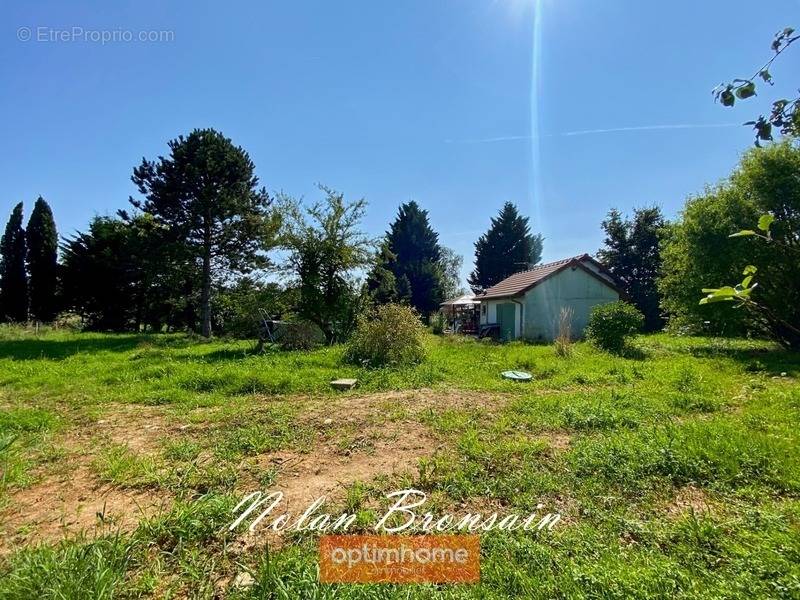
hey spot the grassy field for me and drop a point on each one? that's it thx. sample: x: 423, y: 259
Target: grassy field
x: 676, y: 470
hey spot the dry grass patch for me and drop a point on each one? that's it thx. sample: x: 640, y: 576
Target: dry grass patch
x: 689, y: 499
x: 395, y: 405
x: 558, y: 441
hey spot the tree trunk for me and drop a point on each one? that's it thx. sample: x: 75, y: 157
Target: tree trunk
x: 205, y: 294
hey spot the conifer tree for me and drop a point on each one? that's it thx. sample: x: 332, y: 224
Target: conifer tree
x: 412, y: 253
x: 381, y: 282
x: 632, y: 254
x: 506, y: 248
x: 42, y: 243
x: 205, y: 192
x: 13, y: 279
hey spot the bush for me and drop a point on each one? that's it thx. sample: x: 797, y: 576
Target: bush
x: 69, y: 321
x: 610, y: 325
x: 438, y: 323
x: 299, y: 335
x: 239, y: 309
x: 699, y: 252
x: 391, y: 335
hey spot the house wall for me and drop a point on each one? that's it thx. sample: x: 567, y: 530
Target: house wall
x: 572, y: 287
x: 490, y: 314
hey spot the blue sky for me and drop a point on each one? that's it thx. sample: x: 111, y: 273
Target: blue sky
x: 565, y: 107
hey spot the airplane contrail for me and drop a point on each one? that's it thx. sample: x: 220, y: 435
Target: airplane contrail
x: 648, y: 128
x: 511, y: 138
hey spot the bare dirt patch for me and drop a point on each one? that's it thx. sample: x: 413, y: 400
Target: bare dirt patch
x: 689, y: 499
x: 69, y: 498
x: 400, y: 404
x: 138, y: 427
x: 330, y: 467
x: 357, y: 438
x: 387, y: 450
x: 72, y: 503
x: 558, y: 441
x: 361, y: 437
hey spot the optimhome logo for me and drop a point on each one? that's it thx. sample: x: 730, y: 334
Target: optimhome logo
x: 399, y: 559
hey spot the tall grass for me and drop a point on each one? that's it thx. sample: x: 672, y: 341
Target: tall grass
x: 563, y: 341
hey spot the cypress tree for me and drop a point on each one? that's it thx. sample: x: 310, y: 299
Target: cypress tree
x: 13, y: 279
x: 417, y: 256
x: 506, y: 248
x: 42, y: 241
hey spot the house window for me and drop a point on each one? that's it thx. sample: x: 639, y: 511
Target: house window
x: 483, y: 309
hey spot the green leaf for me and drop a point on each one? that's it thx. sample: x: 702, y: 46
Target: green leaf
x: 725, y: 291
x: 743, y: 233
x: 746, y: 91
x: 727, y: 98
x: 749, y: 270
x: 746, y: 281
x: 714, y: 299
x: 765, y: 221
x: 764, y: 131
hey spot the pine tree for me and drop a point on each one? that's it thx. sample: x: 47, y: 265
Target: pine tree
x: 381, y: 282
x: 632, y: 254
x: 42, y: 241
x: 13, y: 279
x: 506, y: 248
x: 99, y: 274
x: 206, y: 194
x: 414, y: 256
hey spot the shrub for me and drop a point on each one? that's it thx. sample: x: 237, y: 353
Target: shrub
x: 438, y: 323
x: 390, y: 335
x: 69, y: 321
x: 299, y: 335
x: 610, y: 325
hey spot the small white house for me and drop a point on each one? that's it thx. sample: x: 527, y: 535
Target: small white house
x: 528, y: 304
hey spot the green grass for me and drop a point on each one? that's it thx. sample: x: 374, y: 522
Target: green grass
x: 613, y: 442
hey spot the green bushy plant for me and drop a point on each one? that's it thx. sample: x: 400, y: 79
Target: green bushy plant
x: 69, y: 321
x: 610, y: 325
x: 390, y: 335
x: 299, y: 335
x: 438, y: 323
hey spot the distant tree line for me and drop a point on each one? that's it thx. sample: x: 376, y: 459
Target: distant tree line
x: 195, y: 252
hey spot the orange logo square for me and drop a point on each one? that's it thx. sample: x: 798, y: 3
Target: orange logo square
x: 399, y: 559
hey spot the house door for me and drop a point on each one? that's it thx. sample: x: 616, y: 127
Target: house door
x: 506, y: 314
